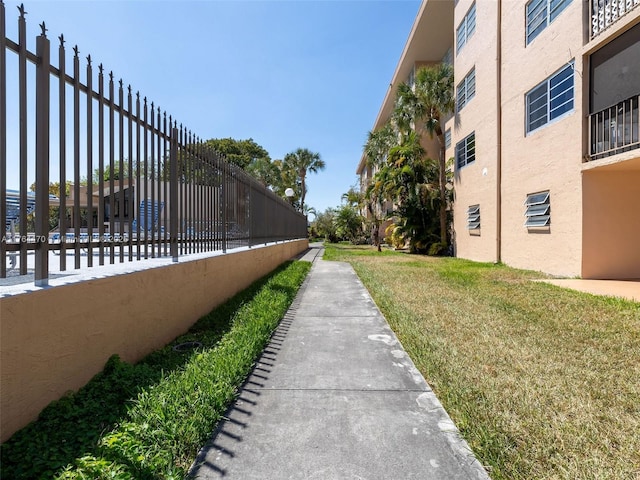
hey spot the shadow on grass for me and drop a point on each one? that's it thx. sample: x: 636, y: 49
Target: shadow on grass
x: 72, y: 427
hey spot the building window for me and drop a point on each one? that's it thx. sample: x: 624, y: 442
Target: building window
x: 551, y: 99
x: 540, y: 13
x: 466, y: 151
x: 411, y: 79
x: 448, y: 57
x: 466, y: 28
x: 447, y: 138
x: 537, y: 210
x: 473, y: 217
x: 466, y: 89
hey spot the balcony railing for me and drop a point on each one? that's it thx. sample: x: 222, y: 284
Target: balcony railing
x: 605, y: 13
x: 615, y: 129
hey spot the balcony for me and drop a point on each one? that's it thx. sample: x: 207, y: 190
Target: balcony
x: 605, y: 13
x: 615, y: 129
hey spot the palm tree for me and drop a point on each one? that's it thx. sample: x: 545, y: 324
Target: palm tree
x: 310, y: 210
x: 285, y: 177
x: 353, y: 197
x: 434, y: 91
x: 407, y: 109
x: 378, y: 145
x: 264, y: 170
x: 302, y: 161
x: 376, y: 151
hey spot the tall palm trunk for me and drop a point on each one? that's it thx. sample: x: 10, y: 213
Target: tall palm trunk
x: 442, y: 180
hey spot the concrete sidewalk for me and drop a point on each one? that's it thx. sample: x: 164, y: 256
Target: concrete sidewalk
x: 335, y: 396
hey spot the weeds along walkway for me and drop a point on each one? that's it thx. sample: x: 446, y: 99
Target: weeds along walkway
x: 335, y: 396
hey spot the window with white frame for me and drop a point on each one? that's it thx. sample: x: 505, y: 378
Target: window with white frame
x: 550, y: 99
x: 537, y: 210
x: 448, y: 57
x: 447, y: 138
x: 466, y: 28
x: 540, y: 13
x: 466, y: 150
x: 466, y: 89
x: 473, y: 217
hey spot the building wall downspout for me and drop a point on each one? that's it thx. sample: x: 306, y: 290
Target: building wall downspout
x: 499, y: 133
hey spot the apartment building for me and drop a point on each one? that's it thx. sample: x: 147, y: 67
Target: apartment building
x: 545, y: 134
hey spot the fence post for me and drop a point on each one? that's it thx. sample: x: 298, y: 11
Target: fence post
x: 225, y: 203
x: 173, y: 195
x: 249, y: 215
x: 22, y: 99
x: 3, y: 141
x: 42, y: 159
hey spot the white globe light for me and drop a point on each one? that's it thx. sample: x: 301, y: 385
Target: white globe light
x: 289, y: 192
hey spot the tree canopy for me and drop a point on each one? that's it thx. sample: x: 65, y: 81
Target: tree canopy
x: 242, y: 153
x: 296, y: 164
x: 403, y: 174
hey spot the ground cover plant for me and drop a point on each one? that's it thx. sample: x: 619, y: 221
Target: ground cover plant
x: 149, y: 420
x: 543, y: 382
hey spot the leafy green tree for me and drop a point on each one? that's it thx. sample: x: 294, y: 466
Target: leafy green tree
x: 354, y: 197
x: 324, y: 226
x: 302, y: 161
x: 376, y: 150
x: 287, y: 177
x: 107, y: 173
x: 242, y: 153
x: 54, y: 211
x: 379, y: 143
x: 416, y: 185
x: 265, y: 171
x: 54, y: 188
x: 348, y: 224
x: 410, y: 178
x: 436, y: 99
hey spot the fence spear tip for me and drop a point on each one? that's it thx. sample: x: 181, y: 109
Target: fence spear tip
x: 22, y: 11
x: 44, y: 29
x: 75, y: 49
x: 61, y: 38
x: 89, y: 59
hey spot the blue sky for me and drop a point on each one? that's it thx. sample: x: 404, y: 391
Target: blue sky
x: 288, y: 74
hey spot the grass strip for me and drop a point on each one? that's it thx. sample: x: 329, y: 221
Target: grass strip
x: 149, y: 420
x: 542, y: 381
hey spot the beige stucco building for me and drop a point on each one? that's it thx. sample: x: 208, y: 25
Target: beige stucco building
x: 545, y: 135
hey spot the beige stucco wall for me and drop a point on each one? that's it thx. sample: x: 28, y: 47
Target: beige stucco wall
x: 56, y: 339
x: 611, y: 225
x: 475, y: 184
x: 514, y: 164
x: 549, y: 158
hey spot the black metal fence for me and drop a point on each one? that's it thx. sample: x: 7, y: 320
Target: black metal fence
x: 116, y: 179
x: 615, y: 129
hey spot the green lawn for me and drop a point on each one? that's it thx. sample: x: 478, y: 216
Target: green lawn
x: 149, y: 420
x: 543, y: 382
